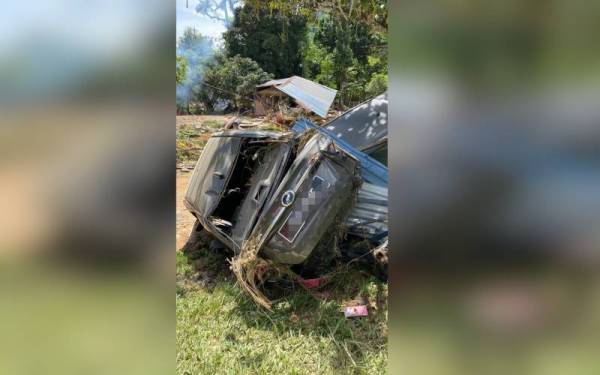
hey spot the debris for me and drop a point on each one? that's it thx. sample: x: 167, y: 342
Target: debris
x: 309, y: 283
x: 294, y: 318
x: 355, y: 311
x: 186, y: 166
x: 233, y: 123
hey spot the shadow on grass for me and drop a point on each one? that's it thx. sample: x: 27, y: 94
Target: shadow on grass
x: 300, y: 312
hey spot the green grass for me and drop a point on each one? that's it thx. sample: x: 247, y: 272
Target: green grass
x: 220, y: 330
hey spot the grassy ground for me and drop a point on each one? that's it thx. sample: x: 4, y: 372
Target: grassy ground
x: 220, y: 330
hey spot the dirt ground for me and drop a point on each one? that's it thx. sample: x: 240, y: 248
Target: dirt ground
x: 198, y: 120
x: 185, y: 220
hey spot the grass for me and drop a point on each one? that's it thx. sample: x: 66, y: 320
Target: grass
x: 189, y: 143
x: 220, y: 330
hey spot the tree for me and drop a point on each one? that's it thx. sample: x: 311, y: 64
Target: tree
x: 230, y: 82
x: 180, y: 70
x: 271, y: 38
x: 219, y: 10
x: 371, y: 12
x: 345, y: 55
x: 345, y: 46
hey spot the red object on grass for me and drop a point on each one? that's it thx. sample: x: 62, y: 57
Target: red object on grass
x: 309, y: 283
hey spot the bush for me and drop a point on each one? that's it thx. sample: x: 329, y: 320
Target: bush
x: 377, y: 85
x: 229, y: 83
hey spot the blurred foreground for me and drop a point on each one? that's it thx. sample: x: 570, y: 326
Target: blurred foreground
x: 86, y: 230
x: 495, y: 169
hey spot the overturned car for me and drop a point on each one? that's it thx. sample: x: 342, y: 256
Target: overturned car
x: 303, y: 198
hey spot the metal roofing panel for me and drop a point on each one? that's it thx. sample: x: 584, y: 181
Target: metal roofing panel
x: 309, y: 94
x: 367, y: 216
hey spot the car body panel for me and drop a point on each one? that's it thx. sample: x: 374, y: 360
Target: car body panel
x: 321, y: 182
x: 263, y: 183
x: 291, y: 197
x: 211, y: 174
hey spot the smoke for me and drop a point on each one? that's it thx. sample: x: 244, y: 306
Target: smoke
x: 197, y: 50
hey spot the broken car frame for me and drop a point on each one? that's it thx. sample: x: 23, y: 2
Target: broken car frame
x: 301, y: 199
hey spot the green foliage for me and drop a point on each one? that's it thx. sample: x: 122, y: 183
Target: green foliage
x: 342, y: 46
x: 194, y: 47
x: 180, y: 69
x: 271, y: 38
x: 347, y: 55
x: 325, y: 45
x: 230, y: 81
x: 371, y: 12
x: 377, y: 84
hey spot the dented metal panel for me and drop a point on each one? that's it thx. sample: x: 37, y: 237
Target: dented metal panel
x: 369, y: 215
x: 372, y: 171
x: 317, y: 185
x: 211, y: 174
x: 365, y: 126
x: 258, y: 134
x: 263, y: 184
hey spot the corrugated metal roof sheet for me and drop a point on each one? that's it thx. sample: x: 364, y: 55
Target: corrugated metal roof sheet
x: 369, y: 216
x: 309, y: 94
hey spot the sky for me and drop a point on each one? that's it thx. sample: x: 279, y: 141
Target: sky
x: 188, y: 17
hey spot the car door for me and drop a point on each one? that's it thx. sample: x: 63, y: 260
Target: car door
x: 318, y: 185
x: 270, y: 169
x: 211, y: 174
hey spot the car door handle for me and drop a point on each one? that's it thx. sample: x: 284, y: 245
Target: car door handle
x: 261, y: 188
